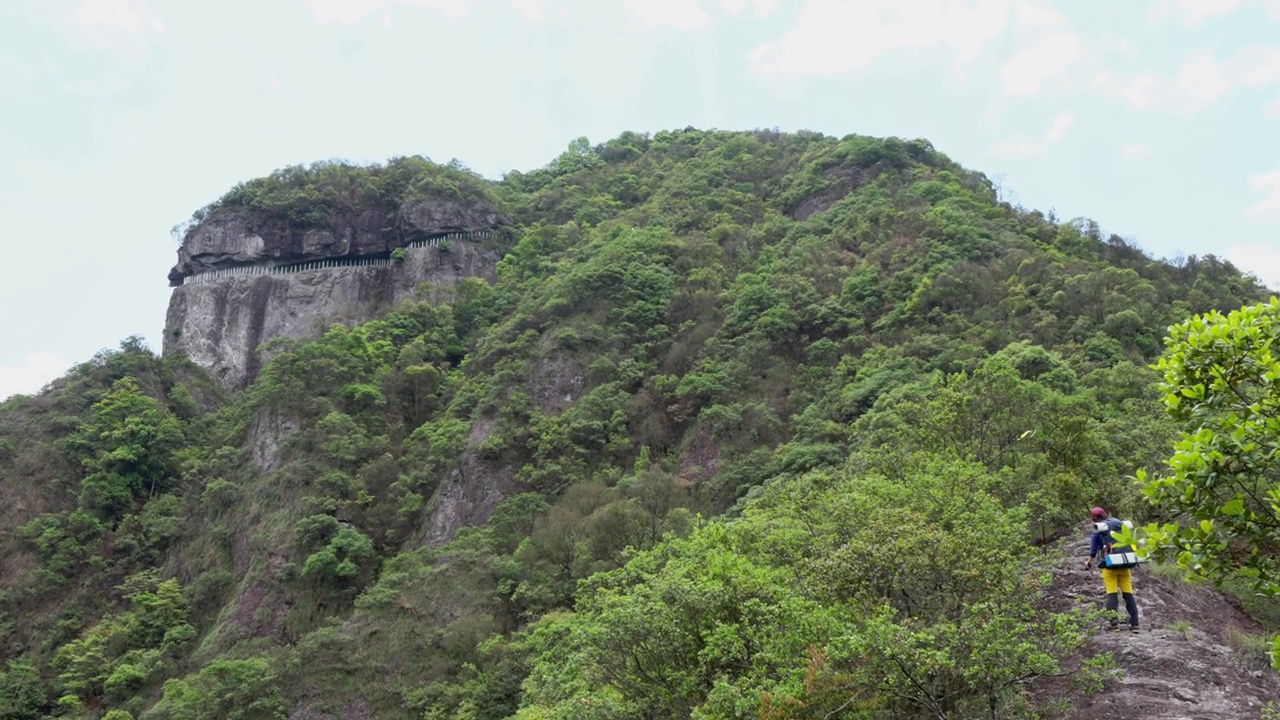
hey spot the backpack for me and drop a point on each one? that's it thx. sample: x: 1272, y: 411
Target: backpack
x: 1115, y: 557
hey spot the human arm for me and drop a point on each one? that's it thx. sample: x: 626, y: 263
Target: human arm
x: 1095, y: 546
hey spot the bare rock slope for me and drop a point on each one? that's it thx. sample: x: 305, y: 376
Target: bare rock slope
x: 1185, y: 664
x: 238, y: 237
x: 244, y: 278
x: 220, y: 324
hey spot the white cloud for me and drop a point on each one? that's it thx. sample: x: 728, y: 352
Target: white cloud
x: 1272, y: 109
x: 541, y: 9
x: 1202, y: 80
x: 123, y: 27
x: 1193, y: 13
x: 1050, y: 49
x: 833, y: 37
x: 1261, y: 259
x: 132, y: 17
x: 1135, y: 151
x: 1267, y: 183
x: 37, y: 370
x: 14, y: 75
x: 1142, y: 91
x: 532, y: 9
x: 348, y: 12
x: 646, y: 15
x: 1059, y: 127
x: 1029, y: 69
x: 1023, y: 146
x: 764, y: 8
x: 683, y: 15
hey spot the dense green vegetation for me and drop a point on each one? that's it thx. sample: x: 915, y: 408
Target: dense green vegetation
x: 329, y: 193
x: 778, y: 422
x: 1222, y: 380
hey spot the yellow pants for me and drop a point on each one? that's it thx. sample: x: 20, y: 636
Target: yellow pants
x: 1111, y: 579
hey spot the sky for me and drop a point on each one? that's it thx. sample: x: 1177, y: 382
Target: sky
x: 119, y: 118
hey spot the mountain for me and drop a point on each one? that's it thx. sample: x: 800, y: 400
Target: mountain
x: 691, y: 424
x: 285, y: 255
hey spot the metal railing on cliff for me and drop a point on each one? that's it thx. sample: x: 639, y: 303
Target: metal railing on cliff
x: 212, y: 275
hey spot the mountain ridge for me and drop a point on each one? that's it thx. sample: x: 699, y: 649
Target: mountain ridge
x: 706, y: 368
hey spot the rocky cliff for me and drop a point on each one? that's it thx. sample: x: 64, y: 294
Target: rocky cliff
x: 243, y: 278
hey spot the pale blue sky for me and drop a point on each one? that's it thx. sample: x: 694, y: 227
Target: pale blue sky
x: 118, y: 118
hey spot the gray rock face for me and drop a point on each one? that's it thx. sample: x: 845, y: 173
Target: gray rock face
x: 469, y: 493
x: 236, y: 238
x: 220, y: 324
x: 1183, y: 663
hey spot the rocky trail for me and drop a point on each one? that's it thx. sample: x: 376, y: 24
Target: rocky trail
x: 1191, y: 660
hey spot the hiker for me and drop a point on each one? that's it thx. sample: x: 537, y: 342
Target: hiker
x: 1116, y: 563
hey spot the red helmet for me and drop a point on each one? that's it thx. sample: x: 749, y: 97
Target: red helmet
x: 1098, y: 513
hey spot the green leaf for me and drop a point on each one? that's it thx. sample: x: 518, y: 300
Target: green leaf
x: 1235, y: 507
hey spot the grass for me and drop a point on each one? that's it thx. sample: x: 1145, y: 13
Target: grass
x: 1168, y: 571
x: 1058, y: 706
x: 1266, y: 610
x: 1181, y: 626
x: 1254, y: 650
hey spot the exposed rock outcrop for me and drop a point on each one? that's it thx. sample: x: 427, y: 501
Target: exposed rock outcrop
x: 220, y: 325
x: 471, y: 491
x: 555, y: 383
x: 245, y: 277
x: 237, y: 237
x: 1183, y: 664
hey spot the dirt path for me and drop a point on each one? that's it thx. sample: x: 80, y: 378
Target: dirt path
x: 1182, y: 665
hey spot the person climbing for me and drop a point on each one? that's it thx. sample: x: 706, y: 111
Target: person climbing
x: 1116, y: 563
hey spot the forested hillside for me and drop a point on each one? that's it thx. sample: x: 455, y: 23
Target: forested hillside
x: 752, y: 425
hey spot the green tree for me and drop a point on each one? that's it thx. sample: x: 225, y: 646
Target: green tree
x: 115, y: 657
x: 1222, y: 379
x: 21, y: 695
x: 128, y: 448
x: 348, y: 559
x: 916, y: 593
x: 223, y: 690
x: 579, y: 155
x: 1222, y: 495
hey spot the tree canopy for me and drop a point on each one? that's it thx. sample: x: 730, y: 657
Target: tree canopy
x: 1222, y: 492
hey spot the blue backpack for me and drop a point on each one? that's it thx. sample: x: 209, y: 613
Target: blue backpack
x: 1115, y: 557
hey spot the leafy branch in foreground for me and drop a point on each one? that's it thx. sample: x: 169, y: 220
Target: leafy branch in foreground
x: 1222, y: 379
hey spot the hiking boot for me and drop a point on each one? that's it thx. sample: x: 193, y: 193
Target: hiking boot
x: 1113, y: 627
x: 1133, y: 629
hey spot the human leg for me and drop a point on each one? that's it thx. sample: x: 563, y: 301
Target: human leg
x: 1124, y: 583
x: 1110, y: 581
